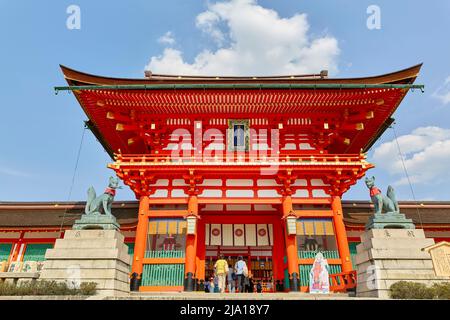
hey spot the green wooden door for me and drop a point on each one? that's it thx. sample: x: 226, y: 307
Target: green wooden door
x: 352, y: 248
x: 5, y: 250
x: 36, y: 251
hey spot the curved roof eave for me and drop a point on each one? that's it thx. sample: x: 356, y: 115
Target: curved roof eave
x: 405, y: 76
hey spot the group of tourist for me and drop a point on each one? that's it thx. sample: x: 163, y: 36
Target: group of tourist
x: 235, y: 278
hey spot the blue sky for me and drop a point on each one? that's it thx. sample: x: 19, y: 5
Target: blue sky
x: 40, y: 132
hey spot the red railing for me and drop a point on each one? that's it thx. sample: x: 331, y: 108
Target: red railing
x: 343, y: 282
x: 317, y: 158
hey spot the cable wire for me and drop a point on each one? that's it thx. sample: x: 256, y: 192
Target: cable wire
x: 406, y: 173
x: 73, y: 176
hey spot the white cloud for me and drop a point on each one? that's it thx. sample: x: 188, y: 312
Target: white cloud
x: 167, y: 38
x: 426, y: 151
x: 252, y: 40
x: 443, y: 92
x: 207, y: 21
x: 12, y: 172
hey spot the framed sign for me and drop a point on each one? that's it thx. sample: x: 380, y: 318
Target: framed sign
x: 238, y: 135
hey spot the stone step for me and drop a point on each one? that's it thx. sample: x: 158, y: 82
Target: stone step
x: 84, y: 274
x: 391, y: 254
x: 386, y: 284
x: 94, y: 234
x: 87, y: 264
x: 233, y: 296
x: 86, y: 254
x: 87, y: 243
x: 403, y: 264
x: 407, y: 275
x: 412, y: 243
x: 392, y: 234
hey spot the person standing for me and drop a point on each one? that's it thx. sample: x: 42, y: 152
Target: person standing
x: 241, y: 272
x: 259, y: 287
x: 231, y: 277
x: 249, y: 284
x: 211, y: 285
x: 221, y: 267
x: 216, y: 284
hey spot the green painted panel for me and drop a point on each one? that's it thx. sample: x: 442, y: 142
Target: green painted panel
x: 5, y: 250
x: 36, y: 251
x: 163, y: 275
x: 130, y: 248
x: 332, y: 254
x: 165, y: 254
x: 286, y: 279
x: 304, y: 274
x: 241, y: 86
x: 352, y: 248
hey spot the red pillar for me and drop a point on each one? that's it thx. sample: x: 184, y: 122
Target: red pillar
x: 278, y: 250
x: 341, y: 234
x: 14, y: 256
x: 140, y: 241
x: 201, y: 250
x: 291, y: 248
x: 191, y: 249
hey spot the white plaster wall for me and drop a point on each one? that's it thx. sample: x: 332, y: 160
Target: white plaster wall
x: 178, y: 193
x: 211, y: 182
x: 267, y: 182
x: 240, y: 193
x: 178, y: 183
x: 319, y: 193
x: 269, y: 193
x: 300, y: 182
x: 211, y: 193
x: 239, y: 182
x: 318, y: 182
x: 160, y: 183
x: 160, y: 193
x: 305, y: 146
x: 301, y: 193
x: 289, y: 146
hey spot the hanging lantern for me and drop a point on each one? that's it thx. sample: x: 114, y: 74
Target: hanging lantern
x: 191, y: 223
x: 291, y: 224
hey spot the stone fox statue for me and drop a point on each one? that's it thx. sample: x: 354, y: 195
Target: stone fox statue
x: 382, y: 203
x: 102, y: 203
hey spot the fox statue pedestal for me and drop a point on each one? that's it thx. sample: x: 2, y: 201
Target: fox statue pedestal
x: 96, y: 221
x: 99, y: 256
x: 389, y: 220
x: 386, y: 256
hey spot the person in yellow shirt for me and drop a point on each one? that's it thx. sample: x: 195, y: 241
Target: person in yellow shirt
x: 221, y: 268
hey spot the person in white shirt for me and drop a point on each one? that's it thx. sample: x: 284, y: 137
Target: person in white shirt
x: 241, y: 272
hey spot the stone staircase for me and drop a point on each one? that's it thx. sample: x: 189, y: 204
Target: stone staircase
x: 230, y: 296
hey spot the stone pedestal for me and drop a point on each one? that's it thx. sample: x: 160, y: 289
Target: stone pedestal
x: 389, y: 220
x: 99, y: 256
x: 96, y: 221
x: 386, y: 256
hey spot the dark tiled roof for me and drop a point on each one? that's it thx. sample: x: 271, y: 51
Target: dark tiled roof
x: 51, y: 214
x: 425, y: 212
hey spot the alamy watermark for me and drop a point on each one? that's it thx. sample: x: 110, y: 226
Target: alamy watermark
x: 374, y: 19
x: 73, y: 21
x: 212, y: 145
x: 73, y: 273
x: 373, y: 277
